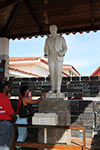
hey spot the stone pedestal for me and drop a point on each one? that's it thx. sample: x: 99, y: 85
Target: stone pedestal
x: 62, y: 109
x: 55, y: 95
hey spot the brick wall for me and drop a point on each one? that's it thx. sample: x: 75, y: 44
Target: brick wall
x: 83, y: 112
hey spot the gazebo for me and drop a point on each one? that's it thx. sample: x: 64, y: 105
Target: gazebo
x: 28, y: 18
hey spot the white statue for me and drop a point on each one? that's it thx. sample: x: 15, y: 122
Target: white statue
x: 55, y: 49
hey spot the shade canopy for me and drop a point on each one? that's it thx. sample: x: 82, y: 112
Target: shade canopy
x: 27, y: 18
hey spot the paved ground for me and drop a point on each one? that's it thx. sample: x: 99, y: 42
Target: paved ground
x: 78, y: 142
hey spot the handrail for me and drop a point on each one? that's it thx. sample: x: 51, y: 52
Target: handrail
x: 53, y: 146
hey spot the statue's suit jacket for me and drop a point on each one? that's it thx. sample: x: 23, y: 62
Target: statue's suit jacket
x: 51, y: 48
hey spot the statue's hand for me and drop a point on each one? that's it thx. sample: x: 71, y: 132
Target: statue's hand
x: 46, y: 56
x: 60, y: 53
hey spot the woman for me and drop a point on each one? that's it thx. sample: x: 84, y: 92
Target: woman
x: 22, y: 132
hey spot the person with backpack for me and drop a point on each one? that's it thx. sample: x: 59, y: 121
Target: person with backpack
x: 24, y: 100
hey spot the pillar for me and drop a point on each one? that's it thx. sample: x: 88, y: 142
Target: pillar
x: 4, y: 57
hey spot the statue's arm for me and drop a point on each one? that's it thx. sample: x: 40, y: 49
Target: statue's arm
x: 64, y: 46
x: 46, y: 49
x: 62, y: 52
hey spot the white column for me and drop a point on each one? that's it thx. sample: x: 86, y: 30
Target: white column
x: 45, y: 137
x: 4, y: 54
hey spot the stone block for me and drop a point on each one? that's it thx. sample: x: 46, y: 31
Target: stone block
x: 97, y: 119
x: 55, y: 136
x: 45, y: 119
x: 97, y: 106
x: 62, y: 108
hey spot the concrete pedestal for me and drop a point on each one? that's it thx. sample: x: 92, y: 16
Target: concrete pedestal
x: 62, y: 109
x: 55, y: 95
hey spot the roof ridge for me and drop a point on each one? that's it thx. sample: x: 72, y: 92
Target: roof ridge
x: 23, y: 58
x: 95, y: 71
x: 15, y: 69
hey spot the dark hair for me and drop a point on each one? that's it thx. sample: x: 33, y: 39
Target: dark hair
x: 2, y: 85
x: 23, y: 89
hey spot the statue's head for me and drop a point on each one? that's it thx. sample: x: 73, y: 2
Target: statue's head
x: 53, y: 29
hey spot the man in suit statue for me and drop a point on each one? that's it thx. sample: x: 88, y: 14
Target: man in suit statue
x: 55, y: 49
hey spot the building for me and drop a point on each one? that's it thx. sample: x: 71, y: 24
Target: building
x: 35, y: 67
x: 96, y: 72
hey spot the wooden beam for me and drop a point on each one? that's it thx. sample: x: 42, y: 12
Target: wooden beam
x: 12, y: 17
x: 8, y: 3
x: 33, y: 16
x: 92, y: 12
x: 50, y: 127
x: 48, y: 146
x: 71, y: 30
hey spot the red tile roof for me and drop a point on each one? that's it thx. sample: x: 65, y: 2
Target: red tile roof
x: 96, y: 72
x: 64, y: 65
x: 65, y: 74
x: 44, y: 61
x: 23, y: 58
x: 29, y: 73
x: 36, y: 58
x: 76, y: 70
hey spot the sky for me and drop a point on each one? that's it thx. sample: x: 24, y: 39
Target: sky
x: 83, y: 50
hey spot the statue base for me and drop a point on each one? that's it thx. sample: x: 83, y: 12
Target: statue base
x: 55, y: 95
x: 61, y: 107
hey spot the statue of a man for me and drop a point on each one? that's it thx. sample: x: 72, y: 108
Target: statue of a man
x: 55, y: 49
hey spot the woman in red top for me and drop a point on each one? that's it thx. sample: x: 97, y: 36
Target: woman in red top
x: 22, y: 132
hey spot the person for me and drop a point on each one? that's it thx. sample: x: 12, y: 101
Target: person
x: 8, y: 94
x: 25, y: 93
x: 7, y: 117
x: 55, y: 49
